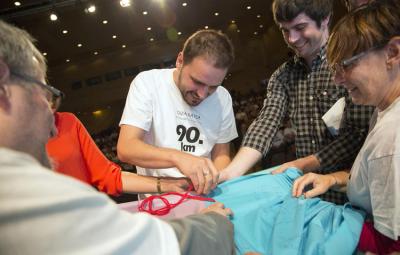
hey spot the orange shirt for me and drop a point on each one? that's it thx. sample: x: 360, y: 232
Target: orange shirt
x: 75, y: 154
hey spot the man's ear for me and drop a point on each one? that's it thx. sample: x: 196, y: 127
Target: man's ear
x: 4, y: 89
x: 4, y: 72
x: 393, y: 51
x: 179, y: 60
x: 325, y: 22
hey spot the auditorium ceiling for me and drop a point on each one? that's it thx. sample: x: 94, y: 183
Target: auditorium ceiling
x: 86, y: 28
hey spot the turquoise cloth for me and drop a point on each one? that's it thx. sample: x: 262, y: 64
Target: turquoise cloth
x: 268, y: 220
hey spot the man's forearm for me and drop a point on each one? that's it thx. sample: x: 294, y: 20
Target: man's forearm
x: 144, y: 155
x: 242, y: 162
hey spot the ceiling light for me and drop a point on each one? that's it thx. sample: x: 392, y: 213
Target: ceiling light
x: 151, y: 39
x: 260, y: 26
x: 238, y: 30
x: 125, y: 3
x: 65, y: 31
x: 95, y: 53
x: 258, y: 16
x: 114, y: 36
x: 256, y: 33
x: 179, y: 33
x: 123, y: 46
x: 67, y: 60
x: 17, y: 3
x: 216, y: 14
x: 105, y: 21
x: 91, y: 8
x: 233, y: 22
x: 206, y: 27
x: 149, y: 28
x: 248, y: 7
x: 44, y: 53
x: 144, y: 12
x: 79, y: 45
x: 184, y: 4
x: 53, y: 17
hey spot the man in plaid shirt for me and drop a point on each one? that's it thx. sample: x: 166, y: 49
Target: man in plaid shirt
x: 303, y: 89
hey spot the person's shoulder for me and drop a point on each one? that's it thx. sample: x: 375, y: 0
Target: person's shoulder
x: 153, y: 73
x: 284, y: 69
x: 223, y: 93
x: 66, y: 116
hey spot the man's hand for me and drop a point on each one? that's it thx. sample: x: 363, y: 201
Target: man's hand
x: 218, y: 208
x: 306, y: 164
x: 321, y: 184
x: 201, y: 172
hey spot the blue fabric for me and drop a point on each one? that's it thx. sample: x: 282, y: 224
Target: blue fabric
x: 268, y: 220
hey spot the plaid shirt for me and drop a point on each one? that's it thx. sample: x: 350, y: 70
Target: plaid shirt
x: 305, y: 96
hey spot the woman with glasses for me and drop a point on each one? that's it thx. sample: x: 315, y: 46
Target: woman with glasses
x: 75, y: 154
x: 364, y: 52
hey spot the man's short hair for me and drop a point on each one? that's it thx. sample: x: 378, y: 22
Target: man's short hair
x: 287, y: 10
x: 18, y: 51
x: 211, y: 44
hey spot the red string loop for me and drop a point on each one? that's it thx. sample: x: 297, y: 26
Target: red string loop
x: 147, y: 204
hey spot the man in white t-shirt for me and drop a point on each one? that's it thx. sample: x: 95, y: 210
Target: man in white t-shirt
x: 43, y: 212
x: 179, y: 122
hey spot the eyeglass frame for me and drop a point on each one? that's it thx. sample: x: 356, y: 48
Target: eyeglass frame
x: 342, y: 65
x: 55, y: 92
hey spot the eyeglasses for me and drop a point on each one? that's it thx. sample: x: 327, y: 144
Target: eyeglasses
x: 54, y: 92
x: 345, y: 64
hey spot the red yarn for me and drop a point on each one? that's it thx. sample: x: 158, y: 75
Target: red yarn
x: 147, y: 204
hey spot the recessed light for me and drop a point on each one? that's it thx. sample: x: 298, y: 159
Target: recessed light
x: 114, y: 36
x: 184, y: 4
x: 125, y: 3
x: 205, y: 27
x: 95, y: 53
x: 256, y: 33
x: 91, y: 8
x: 258, y: 16
x: 238, y: 30
x: 53, y: 17
x: 145, y: 12
x: 179, y: 33
x: 44, y: 53
x: 65, y: 31
x: 248, y: 7
x: 233, y: 22
x: 216, y: 14
x: 17, y: 3
x: 149, y: 28
x: 79, y: 45
x: 105, y: 21
x: 67, y: 60
x: 260, y: 26
x: 151, y: 39
x: 123, y: 46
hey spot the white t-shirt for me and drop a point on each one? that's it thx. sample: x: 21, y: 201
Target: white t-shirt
x: 375, y: 177
x: 42, y: 212
x: 155, y: 104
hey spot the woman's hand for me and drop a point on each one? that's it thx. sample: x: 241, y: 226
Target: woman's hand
x: 170, y: 184
x: 321, y: 184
